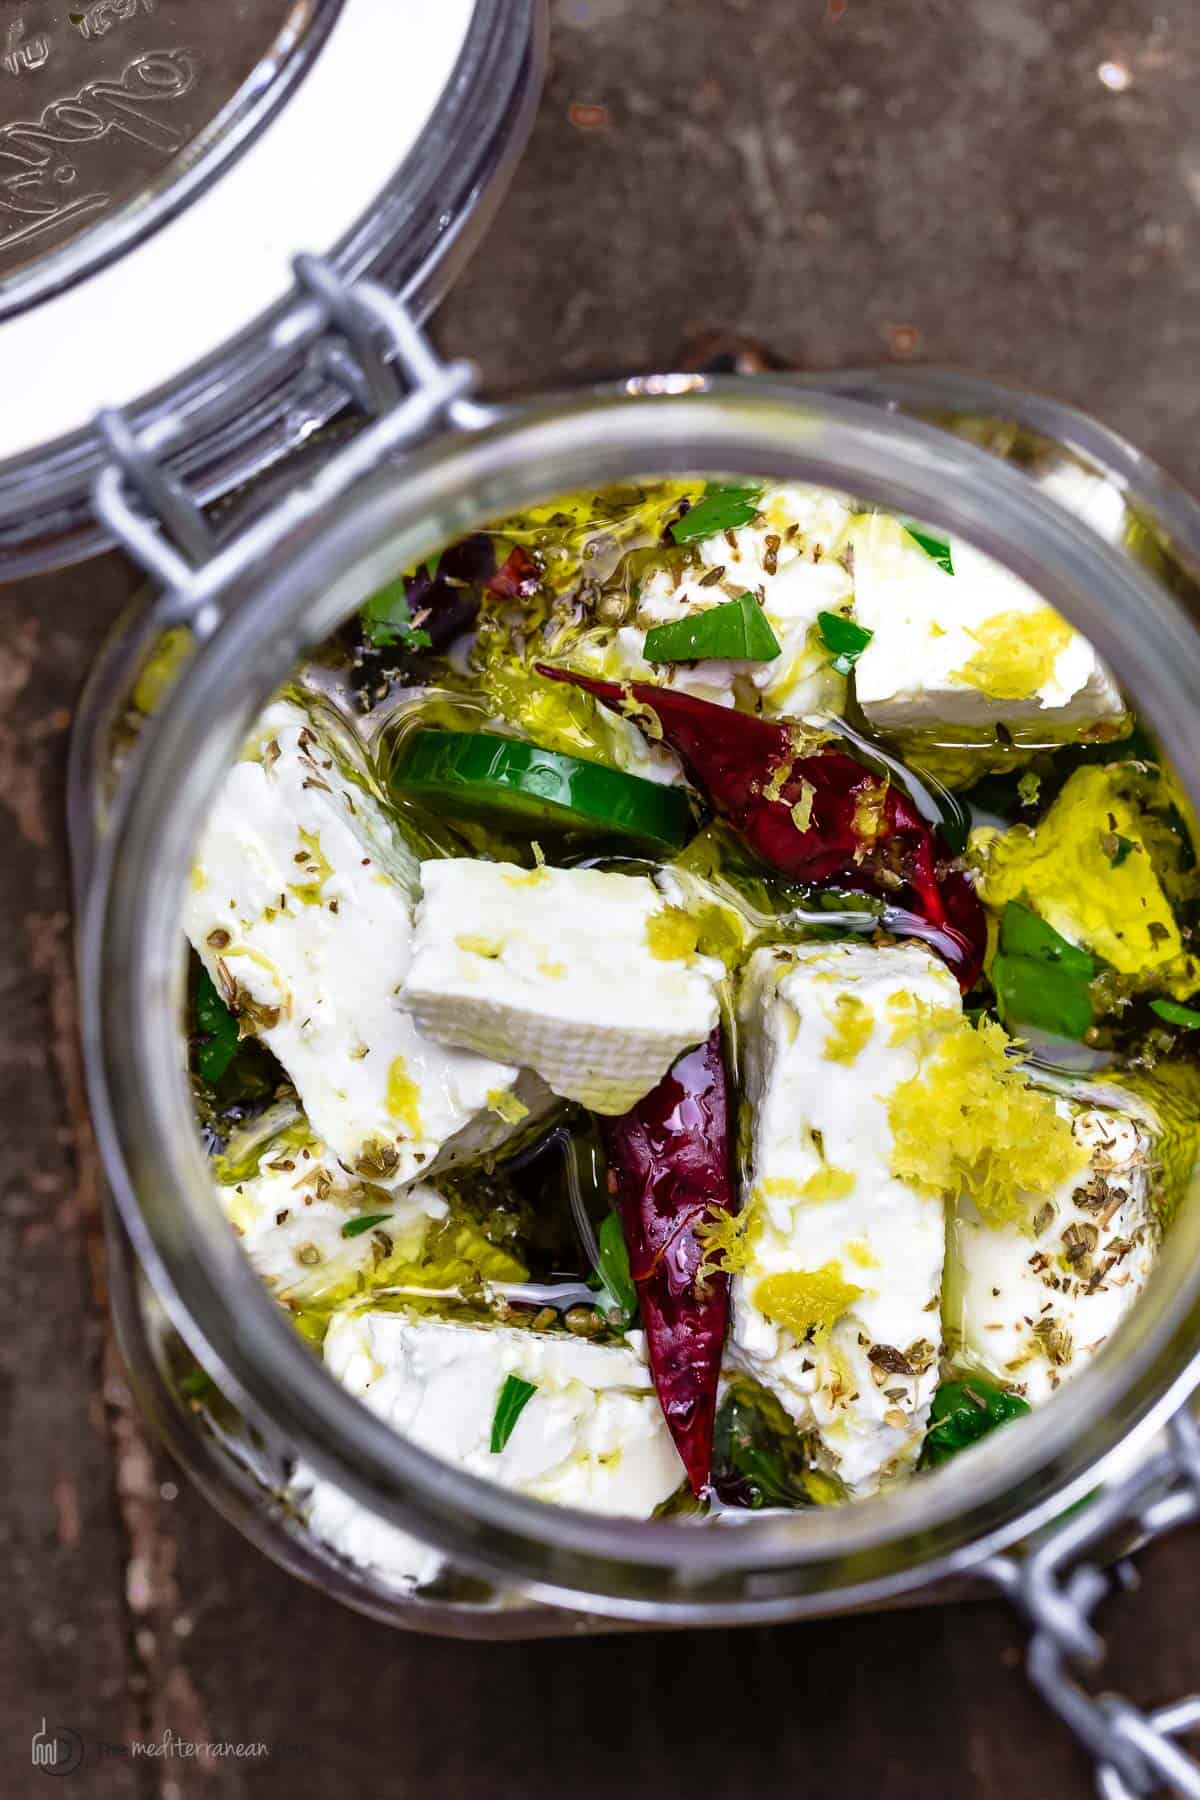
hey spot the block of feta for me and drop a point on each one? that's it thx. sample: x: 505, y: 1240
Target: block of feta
x: 300, y: 906
x: 591, y: 1435
x: 290, y: 1208
x: 1031, y: 1308
x: 788, y: 558
x: 588, y: 978
x: 969, y: 650
x: 1092, y: 497
x: 836, y: 1296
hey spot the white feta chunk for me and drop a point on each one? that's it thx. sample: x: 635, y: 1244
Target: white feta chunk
x: 587, y: 978
x: 1031, y: 1308
x: 592, y: 1434
x: 1092, y: 497
x: 970, y: 650
x: 300, y: 907
x: 788, y: 559
x: 291, y: 1210
x: 346, y: 1526
x: 824, y: 1048
x: 800, y: 682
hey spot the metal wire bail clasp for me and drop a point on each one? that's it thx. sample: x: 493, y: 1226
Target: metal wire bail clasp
x: 360, y: 336
x: 1058, y: 1589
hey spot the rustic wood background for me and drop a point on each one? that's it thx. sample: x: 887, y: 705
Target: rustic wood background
x: 1010, y: 186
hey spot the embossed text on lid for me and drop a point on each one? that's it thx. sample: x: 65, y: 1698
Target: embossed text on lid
x: 113, y: 113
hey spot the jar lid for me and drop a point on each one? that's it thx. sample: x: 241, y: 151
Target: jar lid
x: 161, y: 165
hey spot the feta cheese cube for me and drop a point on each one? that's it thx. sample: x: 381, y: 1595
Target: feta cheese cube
x: 788, y: 558
x: 290, y: 1210
x: 799, y: 682
x: 1092, y: 497
x: 347, y: 1527
x: 587, y: 978
x: 825, y: 1046
x: 969, y: 650
x: 300, y: 907
x: 1032, y: 1308
x: 592, y: 1435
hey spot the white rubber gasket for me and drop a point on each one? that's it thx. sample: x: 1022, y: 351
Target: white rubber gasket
x: 313, y: 171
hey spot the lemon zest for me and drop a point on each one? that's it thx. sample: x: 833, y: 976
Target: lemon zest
x: 671, y: 934
x: 477, y: 943
x: 403, y: 1097
x: 828, y: 1183
x: 809, y: 1302
x: 852, y: 1024
x: 969, y: 1122
x: 727, y: 1239
x: 918, y: 1021
x: 779, y: 1187
x: 504, y: 1103
x: 778, y: 779
x: 803, y: 809
x: 1064, y: 869
x: 1017, y: 653
x: 869, y: 805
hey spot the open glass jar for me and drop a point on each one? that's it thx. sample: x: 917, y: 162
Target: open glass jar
x: 141, y: 145
x: 432, y: 467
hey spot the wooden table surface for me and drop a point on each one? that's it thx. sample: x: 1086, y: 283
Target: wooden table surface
x: 1010, y: 185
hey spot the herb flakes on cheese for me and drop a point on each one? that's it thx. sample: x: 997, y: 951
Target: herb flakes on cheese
x: 302, y: 1218
x: 319, y: 1237
x: 304, y: 922
x: 836, y: 1259
x: 782, y: 555
x: 1032, y: 1303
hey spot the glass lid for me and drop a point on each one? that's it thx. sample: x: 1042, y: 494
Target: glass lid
x: 115, y: 115
x: 162, y: 165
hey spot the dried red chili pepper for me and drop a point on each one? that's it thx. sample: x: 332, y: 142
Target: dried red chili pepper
x: 816, y: 818
x: 518, y: 574
x: 669, y: 1164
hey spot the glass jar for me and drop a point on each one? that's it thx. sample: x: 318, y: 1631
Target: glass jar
x: 1078, y: 514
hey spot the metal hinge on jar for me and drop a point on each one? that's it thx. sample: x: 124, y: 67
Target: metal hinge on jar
x: 366, y: 340
x: 1058, y: 1587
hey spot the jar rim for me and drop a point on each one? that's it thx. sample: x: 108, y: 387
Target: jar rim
x: 133, y: 994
